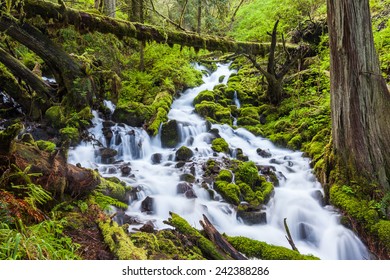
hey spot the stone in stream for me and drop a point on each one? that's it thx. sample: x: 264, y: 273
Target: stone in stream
x: 252, y: 217
x: 186, y: 189
x: 184, y: 154
x: 147, y: 205
x: 189, y: 178
x: 170, y: 135
x: 156, y: 158
x: 107, y: 155
x: 125, y: 170
x: 263, y: 153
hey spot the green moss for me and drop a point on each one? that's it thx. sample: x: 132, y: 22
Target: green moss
x: 161, y: 117
x: 119, y: 242
x: 261, y: 250
x: 55, y: 116
x: 70, y: 133
x: 205, y: 95
x: 225, y: 175
x: 229, y: 191
x: 247, y: 172
x: 46, y: 145
x: 184, y: 153
x: 295, y: 143
x: 112, y: 187
x: 206, y: 246
x: 382, y: 230
x: 219, y: 145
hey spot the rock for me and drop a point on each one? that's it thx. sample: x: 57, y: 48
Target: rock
x: 266, y: 169
x: 184, y: 154
x: 107, y: 155
x: 263, y: 153
x: 108, y: 124
x: 148, y: 227
x: 170, y: 136
x: 317, y: 195
x: 156, y: 158
x: 107, y: 133
x: 215, y: 133
x: 275, y: 161
x: 27, y: 138
x: 252, y: 217
x: 193, y: 170
x: 180, y: 164
x: 263, y: 119
x: 187, y: 178
x: 240, y: 155
x: 125, y: 170
x: 186, y: 189
x: 147, y: 205
x: 111, y: 170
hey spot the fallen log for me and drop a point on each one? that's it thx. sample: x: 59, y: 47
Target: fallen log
x: 88, y: 22
x: 219, y: 240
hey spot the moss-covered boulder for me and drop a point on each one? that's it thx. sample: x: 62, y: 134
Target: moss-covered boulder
x: 220, y: 145
x: 229, y: 191
x: 170, y: 136
x: 206, y: 95
x: 8, y: 136
x: 184, y: 154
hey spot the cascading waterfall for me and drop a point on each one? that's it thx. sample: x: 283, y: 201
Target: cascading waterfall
x: 315, y: 229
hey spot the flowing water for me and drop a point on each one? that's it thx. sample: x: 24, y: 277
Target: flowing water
x: 315, y: 229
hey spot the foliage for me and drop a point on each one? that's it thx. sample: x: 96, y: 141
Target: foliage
x: 43, y: 241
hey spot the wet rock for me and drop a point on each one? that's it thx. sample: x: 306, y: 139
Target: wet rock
x: 266, y: 169
x: 147, y: 205
x: 186, y: 189
x: 240, y: 155
x: 107, y: 155
x: 107, y: 133
x: 276, y: 161
x: 125, y: 170
x: 184, y: 154
x: 170, y: 136
x: 148, y: 227
x: 156, y: 158
x: 252, y: 217
x: 193, y: 170
x: 263, y: 153
x: 317, y: 195
x: 187, y: 178
x: 108, y: 124
x: 180, y: 164
x: 111, y: 170
x: 215, y: 133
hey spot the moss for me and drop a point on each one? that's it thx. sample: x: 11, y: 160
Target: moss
x: 229, y: 191
x: 206, y: 95
x: 261, y: 250
x: 184, y: 153
x: 55, y: 116
x: 170, y: 134
x: 70, y: 134
x: 295, y: 143
x: 7, y: 137
x: 247, y: 172
x: 27, y: 138
x: 382, y: 230
x: 114, y: 189
x: 219, y: 145
x: 225, y: 175
x: 119, y: 242
x: 160, y: 117
x: 46, y: 145
x: 206, y: 246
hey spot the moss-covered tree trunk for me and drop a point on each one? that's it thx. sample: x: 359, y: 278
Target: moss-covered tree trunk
x: 66, y: 70
x: 110, y: 8
x: 360, y: 99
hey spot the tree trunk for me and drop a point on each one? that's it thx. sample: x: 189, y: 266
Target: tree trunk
x: 198, y: 27
x: 66, y: 71
x: 360, y: 100
x: 110, y: 8
x: 88, y: 22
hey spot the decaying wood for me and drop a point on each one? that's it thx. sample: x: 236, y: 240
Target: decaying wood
x: 219, y: 240
x: 289, y: 237
x: 89, y: 22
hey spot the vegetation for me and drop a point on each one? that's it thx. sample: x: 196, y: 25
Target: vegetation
x: 142, y: 72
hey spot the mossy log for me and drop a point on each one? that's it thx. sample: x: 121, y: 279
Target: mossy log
x: 64, y: 68
x: 87, y: 22
x: 42, y: 90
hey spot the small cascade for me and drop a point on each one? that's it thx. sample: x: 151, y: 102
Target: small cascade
x: 163, y: 184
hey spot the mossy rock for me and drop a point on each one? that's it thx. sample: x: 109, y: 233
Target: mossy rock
x: 170, y: 136
x: 220, y: 145
x: 70, y: 134
x: 189, y: 178
x: 206, y: 95
x: 134, y: 114
x: 225, y: 175
x: 114, y: 188
x: 229, y: 191
x: 247, y: 172
x: 55, y: 116
x: 184, y: 154
x: 295, y: 143
x: 8, y: 136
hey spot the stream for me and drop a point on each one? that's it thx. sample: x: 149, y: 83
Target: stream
x: 315, y: 228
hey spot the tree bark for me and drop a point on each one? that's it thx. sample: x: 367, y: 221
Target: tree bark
x: 65, y: 70
x: 199, y: 17
x: 110, y: 8
x: 42, y: 90
x: 360, y: 100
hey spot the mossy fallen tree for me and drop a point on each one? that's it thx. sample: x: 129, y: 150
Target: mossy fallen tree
x: 88, y: 22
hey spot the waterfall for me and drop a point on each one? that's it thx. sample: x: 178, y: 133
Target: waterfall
x: 155, y: 174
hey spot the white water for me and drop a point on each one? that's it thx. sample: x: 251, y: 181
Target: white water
x: 315, y: 229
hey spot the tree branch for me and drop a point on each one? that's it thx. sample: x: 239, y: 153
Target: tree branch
x: 178, y: 26
x: 289, y: 237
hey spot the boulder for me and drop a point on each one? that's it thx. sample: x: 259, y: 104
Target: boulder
x: 170, y: 136
x: 125, y: 170
x: 263, y: 153
x: 187, y: 178
x: 184, y: 154
x: 147, y: 205
x: 186, y: 189
x: 156, y: 158
x: 252, y: 217
x: 107, y: 155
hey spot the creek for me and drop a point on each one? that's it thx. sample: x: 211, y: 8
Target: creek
x: 155, y: 174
